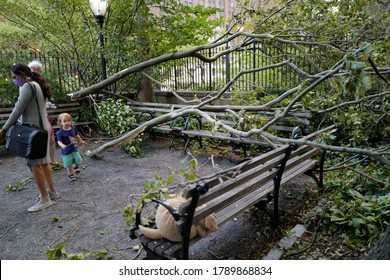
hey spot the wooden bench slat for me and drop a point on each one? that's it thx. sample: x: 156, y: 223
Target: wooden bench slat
x: 59, y: 111
x: 5, y: 114
x: 166, y: 246
x: 232, y: 195
x: 174, y: 251
x: 243, y: 203
x: 151, y: 110
x: 152, y: 244
x: 6, y: 110
x: 223, y: 136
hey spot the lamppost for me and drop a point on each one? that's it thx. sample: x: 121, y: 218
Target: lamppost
x: 99, y: 9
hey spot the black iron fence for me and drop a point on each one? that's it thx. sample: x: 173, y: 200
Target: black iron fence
x: 58, y: 70
x: 187, y: 74
x: 192, y: 74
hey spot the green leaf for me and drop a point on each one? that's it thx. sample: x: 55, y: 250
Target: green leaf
x: 357, y: 222
x: 56, y: 253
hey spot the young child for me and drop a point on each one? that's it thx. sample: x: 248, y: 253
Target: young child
x: 67, y: 138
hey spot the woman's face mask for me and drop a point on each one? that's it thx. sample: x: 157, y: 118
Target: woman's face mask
x: 19, y: 82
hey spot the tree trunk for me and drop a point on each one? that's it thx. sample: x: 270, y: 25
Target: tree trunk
x: 146, y: 92
x: 381, y: 250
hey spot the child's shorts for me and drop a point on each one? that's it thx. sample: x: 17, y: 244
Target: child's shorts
x: 73, y: 158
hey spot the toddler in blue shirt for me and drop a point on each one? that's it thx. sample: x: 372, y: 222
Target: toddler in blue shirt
x: 67, y: 138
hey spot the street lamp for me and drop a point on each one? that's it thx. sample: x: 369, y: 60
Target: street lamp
x: 99, y: 9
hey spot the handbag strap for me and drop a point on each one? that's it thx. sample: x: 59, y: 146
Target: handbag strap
x: 36, y: 100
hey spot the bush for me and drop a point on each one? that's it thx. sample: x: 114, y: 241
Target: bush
x: 116, y: 118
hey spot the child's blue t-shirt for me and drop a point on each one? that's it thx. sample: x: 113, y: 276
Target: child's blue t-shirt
x: 68, y: 138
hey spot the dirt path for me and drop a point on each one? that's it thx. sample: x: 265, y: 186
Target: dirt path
x: 88, y: 215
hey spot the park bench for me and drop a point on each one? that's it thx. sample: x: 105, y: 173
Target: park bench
x: 194, y: 127
x: 74, y: 109
x: 284, y: 127
x: 145, y: 111
x: 253, y: 182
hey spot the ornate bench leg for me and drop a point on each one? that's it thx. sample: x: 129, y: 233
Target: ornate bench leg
x: 320, y: 166
x: 187, y: 141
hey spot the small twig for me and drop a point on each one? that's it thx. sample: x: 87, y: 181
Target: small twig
x: 138, y: 253
x: 218, y: 257
x: 8, y: 229
x: 55, y: 240
x: 366, y: 176
x: 306, y: 248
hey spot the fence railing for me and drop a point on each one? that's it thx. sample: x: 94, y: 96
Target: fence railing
x: 187, y: 74
x: 57, y: 70
x: 193, y: 74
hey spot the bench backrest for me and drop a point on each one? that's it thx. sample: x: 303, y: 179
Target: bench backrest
x: 286, y: 123
x: 4, y: 115
x: 73, y: 109
x: 226, y: 187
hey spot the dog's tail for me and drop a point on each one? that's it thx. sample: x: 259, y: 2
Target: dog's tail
x: 151, y: 233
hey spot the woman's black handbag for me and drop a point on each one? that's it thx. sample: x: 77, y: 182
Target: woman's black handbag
x: 26, y: 140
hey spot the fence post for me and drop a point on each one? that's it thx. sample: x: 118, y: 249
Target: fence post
x: 227, y: 64
x: 254, y: 66
x: 210, y: 74
x: 175, y: 71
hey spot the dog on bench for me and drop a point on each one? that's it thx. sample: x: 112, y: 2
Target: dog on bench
x: 165, y: 223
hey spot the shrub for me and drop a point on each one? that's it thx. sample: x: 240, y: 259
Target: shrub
x: 116, y: 118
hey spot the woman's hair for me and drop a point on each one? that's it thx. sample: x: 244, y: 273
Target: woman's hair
x: 62, y: 116
x: 24, y: 69
x: 35, y: 64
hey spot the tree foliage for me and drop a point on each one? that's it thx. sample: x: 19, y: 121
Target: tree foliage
x: 69, y: 28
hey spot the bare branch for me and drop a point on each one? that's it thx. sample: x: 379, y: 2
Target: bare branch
x: 345, y: 104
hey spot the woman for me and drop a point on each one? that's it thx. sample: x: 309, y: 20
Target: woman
x: 26, y: 108
x: 36, y: 67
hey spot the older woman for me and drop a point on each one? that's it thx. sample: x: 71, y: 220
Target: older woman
x: 33, y: 86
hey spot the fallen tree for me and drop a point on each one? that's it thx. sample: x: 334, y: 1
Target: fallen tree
x: 294, y: 95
